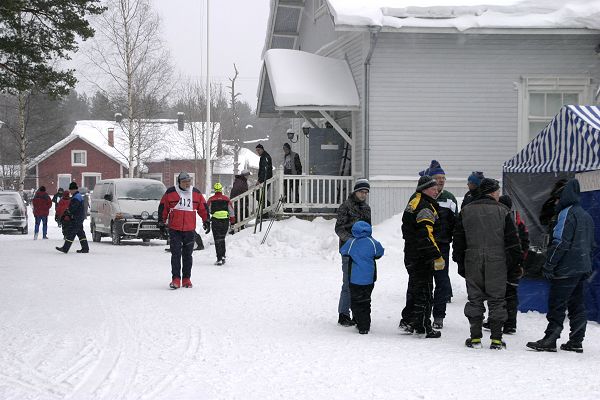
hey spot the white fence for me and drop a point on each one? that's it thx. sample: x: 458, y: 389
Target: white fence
x: 300, y: 194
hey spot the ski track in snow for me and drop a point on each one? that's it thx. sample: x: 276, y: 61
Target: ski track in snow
x: 105, y: 326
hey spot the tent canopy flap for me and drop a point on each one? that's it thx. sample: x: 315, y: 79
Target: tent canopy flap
x: 294, y: 81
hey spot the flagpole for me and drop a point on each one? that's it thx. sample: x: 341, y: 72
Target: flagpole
x: 208, y: 136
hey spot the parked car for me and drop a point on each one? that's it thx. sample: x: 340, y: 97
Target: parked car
x: 13, y: 212
x: 126, y: 208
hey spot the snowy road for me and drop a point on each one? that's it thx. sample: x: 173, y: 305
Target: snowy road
x: 105, y: 326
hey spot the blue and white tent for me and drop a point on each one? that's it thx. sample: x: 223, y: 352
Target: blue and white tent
x: 570, y: 143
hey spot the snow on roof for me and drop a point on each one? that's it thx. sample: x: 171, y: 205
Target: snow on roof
x: 304, y: 79
x: 467, y: 14
x: 169, y: 143
x: 247, y: 159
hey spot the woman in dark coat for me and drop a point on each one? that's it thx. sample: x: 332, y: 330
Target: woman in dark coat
x: 240, y: 185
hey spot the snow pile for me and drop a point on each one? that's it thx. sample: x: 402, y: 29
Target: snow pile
x: 263, y: 326
x: 299, y: 78
x: 467, y: 14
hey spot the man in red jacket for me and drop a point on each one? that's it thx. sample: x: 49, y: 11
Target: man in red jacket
x: 41, y: 206
x: 178, y: 207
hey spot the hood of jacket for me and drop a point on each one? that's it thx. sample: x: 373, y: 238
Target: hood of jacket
x: 569, y: 195
x: 361, y: 229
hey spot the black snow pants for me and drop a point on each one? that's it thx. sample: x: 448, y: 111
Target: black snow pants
x: 421, y: 289
x: 182, y: 246
x: 360, y: 303
x: 76, y: 229
x: 220, y: 227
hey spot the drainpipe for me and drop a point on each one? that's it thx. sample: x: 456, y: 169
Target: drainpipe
x: 374, y: 33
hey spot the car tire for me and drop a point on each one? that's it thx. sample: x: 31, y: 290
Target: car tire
x: 116, y: 238
x: 96, y: 236
x: 146, y: 240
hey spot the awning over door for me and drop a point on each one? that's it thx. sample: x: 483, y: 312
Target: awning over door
x: 294, y: 81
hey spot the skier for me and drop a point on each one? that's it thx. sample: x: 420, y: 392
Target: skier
x: 178, y: 208
x: 77, y: 214
x: 221, y: 213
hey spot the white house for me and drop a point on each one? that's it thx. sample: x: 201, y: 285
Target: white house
x: 465, y: 84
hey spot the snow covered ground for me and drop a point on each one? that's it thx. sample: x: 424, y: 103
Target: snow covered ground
x: 106, y: 326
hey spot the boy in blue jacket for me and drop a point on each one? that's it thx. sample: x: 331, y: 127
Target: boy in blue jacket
x: 362, y: 251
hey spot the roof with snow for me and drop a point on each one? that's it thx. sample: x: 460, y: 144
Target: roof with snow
x: 166, y: 143
x: 570, y: 143
x: 296, y: 80
x: 467, y: 14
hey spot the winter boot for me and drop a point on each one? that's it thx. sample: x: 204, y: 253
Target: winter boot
x: 220, y: 262
x: 62, y: 249
x: 544, y: 344
x: 83, y: 250
x: 45, y: 237
x: 175, y: 283
x: 363, y: 331
x: 223, y: 259
x: 35, y: 235
x: 438, y: 323
x: 473, y: 343
x: 429, y: 334
x: 345, y: 320
x: 509, y: 330
x: 497, y: 344
x: 572, y: 346
x: 187, y: 283
x: 406, y: 327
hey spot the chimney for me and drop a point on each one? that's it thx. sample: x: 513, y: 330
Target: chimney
x: 111, y: 137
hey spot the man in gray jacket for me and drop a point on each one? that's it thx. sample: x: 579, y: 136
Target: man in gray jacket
x: 486, y: 244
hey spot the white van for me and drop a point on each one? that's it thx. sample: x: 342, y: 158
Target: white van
x: 126, y: 208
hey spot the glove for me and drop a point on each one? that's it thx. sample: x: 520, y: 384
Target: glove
x: 206, y: 226
x: 439, y: 264
x: 161, y: 225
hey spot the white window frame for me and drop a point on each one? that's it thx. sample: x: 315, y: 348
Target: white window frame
x: 73, y: 163
x: 58, y: 176
x: 98, y: 176
x: 192, y: 174
x: 580, y: 85
x: 156, y: 176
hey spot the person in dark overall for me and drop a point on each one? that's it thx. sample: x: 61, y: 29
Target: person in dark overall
x: 221, y: 214
x: 77, y: 213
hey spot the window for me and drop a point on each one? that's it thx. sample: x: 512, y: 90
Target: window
x: 79, y: 158
x: 319, y: 7
x: 543, y: 97
x: 64, y: 180
x: 90, y: 179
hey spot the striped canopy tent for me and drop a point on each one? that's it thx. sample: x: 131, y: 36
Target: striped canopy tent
x: 569, y: 146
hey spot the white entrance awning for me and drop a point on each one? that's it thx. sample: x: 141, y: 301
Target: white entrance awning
x: 294, y: 81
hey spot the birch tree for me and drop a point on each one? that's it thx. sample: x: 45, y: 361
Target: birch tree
x: 134, y: 70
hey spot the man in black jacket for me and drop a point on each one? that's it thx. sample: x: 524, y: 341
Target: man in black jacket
x: 486, y: 244
x: 422, y: 256
x: 265, y: 172
x: 354, y: 209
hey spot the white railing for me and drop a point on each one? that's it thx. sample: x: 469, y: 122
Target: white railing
x: 302, y: 194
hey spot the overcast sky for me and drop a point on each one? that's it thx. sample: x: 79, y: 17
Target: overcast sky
x: 237, y: 35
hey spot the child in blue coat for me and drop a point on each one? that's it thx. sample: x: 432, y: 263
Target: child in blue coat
x: 362, y: 251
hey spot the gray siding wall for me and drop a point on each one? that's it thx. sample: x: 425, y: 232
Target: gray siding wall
x: 454, y: 97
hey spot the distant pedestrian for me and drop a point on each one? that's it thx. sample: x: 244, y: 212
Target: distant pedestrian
x: 221, y: 214
x: 473, y: 182
x: 354, y: 209
x: 63, y: 216
x: 291, y: 166
x: 41, y: 207
x: 486, y: 245
x: 77, y: 214
x: 177, y: 210
x: 240, y: 185
x: 265, y: 172
x: 361, y: 251
x: 568, y: 265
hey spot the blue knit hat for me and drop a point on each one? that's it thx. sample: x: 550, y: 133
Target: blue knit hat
x: 475, y: 178
x: 434, y: 169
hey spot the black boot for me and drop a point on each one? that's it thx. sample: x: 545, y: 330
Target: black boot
x: 473, y: 343
x: 406, y: 327
x: 345, y: 320
x: 544, y: 344
x: 497, y: 344
x: 62, y: 250
x: 572, y: 346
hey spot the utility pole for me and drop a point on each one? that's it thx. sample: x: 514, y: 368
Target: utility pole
x: 207, y: 136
